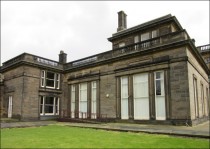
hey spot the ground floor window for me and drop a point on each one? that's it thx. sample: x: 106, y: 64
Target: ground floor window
x: 73, y: 101
x: 134, y: 96
x: 124, y: 97
x: 49, y: 105
x: 160, y: 96
x: 93, y: 99
x: 10, y: 107
x: 141, y: 96
x: 83, y: 102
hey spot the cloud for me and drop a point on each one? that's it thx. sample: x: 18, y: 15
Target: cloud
x: 81, y: 28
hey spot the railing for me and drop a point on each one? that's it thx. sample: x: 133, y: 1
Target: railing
x: 13, y: 60
x: 132, y: 48
x: 82, y: 115
x: 32, y: 59
x: 204, y: 48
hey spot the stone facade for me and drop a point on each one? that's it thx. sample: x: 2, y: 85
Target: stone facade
x: 153, y: 74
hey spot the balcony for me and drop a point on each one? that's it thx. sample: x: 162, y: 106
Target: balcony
x: 204, y: 48
x: 129, y: 49
x: 29, y: 58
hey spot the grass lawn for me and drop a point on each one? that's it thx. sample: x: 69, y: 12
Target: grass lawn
x: 58, y: 136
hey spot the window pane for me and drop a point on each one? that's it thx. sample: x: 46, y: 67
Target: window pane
x: 154, y: 34
x: 144, y: 36
x: 41, y: 108
x: 50, y: 83
x: 49, y: 100
x: 121, y: 44
x: 157, y: 75
x: 136, y: 39
x: 48, y: 109
x: 158, y: 87
x: 41, y: 100
x: 50, y: 75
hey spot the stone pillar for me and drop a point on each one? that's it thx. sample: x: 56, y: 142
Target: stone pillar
x: 89, y: 99
x: 152, y: 95
x: 130, y: 97
x: 118, y: 101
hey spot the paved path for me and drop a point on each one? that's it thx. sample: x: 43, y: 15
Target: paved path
x: 201, y: 130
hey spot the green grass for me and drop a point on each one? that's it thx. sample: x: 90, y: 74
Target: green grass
x: 57, y: 136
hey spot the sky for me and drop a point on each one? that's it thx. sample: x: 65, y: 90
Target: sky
x: 81, y: 28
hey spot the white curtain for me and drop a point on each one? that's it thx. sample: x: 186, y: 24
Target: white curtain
x: 10, y: 107
x: 83, y: 100
x: 141, y: 96
x: 124, y: 98
x: 73, y: 101
x: 93, y: 100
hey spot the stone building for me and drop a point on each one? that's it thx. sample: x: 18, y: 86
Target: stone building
x: 153, y: 74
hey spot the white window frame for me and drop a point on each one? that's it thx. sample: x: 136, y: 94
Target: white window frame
x: 161, y: 95
x: 154, y: 34
x: 124, y: 99
x: 136, y: 40
x: 54, y: 106
x: 44, y: 79
x: 93, y: 99
x: 82, y: 100
x: 57, y: 81
x: 10, y: 106
x: 73, y: 99
x: 54, y: 79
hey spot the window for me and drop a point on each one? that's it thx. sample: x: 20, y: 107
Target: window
x: 93, y: 99
x: 136, y: 40
x: 10, y: 107
x: 144, y: 37
x: 141, y: 96
x: 202, y: 100
x: 43, y: 79
x: 154, y: 33
x: 49, y: 105
x: 207, y: 101
x: 73, y: 101
x: 122, y: 44
x: 208, y: 60
x: 50, y: 79
x: 124, y: 97
x: 160, y: 96
x: 196, y: 97
x: 83, y: 100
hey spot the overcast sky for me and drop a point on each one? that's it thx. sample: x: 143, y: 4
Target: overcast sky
x: 81, y: 28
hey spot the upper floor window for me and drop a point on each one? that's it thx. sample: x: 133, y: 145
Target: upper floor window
x: 145, y: 36
x: 208, y: 60
x: 122, y: 44
x: 154, y: 33
x: 136, y: 40
x: 50, y: 79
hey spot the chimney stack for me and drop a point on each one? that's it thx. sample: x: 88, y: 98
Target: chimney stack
x: 62, y: 57
x: 122, y: 22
